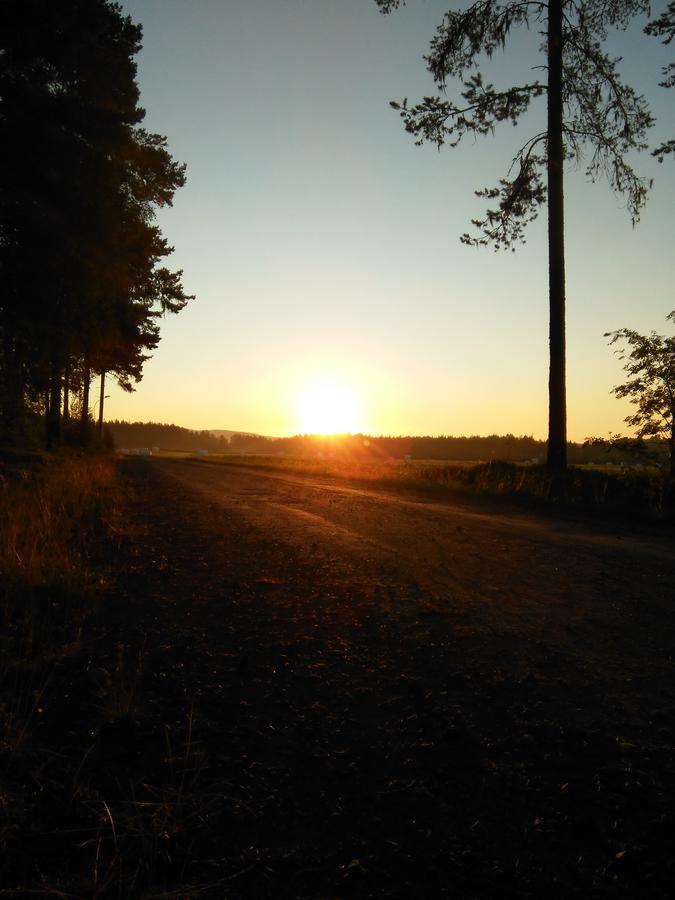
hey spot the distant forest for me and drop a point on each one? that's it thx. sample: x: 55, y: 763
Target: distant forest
x: 167, y: 437
x: 506, y: 447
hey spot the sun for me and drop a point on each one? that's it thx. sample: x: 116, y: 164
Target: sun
x: 328, y: 407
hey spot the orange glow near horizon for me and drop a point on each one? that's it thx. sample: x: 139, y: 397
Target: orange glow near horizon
x: 328, y: 407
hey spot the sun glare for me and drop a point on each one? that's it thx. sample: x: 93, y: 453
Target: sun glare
x: 328, y: 407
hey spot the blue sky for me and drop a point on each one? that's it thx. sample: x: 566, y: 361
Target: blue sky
x: 322, y: 243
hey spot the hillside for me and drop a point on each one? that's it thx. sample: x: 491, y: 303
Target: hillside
x: 226, y: 433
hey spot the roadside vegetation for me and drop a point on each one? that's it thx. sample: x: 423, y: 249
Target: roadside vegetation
x: 101, y: 795
x: 628, y: 490
x: 74, y: 820
x: 56, y: 521
x: 59, y: 524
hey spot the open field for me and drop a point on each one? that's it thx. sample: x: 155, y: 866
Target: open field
x: 301, y: 687
x: 367, y: 468
x: 371, y: 469
x: 360, y: 469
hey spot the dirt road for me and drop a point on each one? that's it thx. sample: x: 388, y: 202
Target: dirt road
x: 394, y: 696
x: 590, y: 593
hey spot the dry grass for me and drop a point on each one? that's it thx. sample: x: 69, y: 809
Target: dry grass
x: 47, y: 517
x: 53, y: 516
x: 70, y: 700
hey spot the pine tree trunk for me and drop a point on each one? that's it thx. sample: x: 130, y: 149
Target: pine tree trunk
x: 557, y: 407
x: 84, y: 422
x: 12, y: 401
x: 54, y: 408
x: 100, y: 404
x: 66, y: 392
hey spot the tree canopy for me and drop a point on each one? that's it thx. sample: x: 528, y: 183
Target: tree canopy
x: 664, y: 27
x: 650, y: 365
x: 80, y: 254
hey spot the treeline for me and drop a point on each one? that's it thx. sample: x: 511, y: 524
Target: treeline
x: 387, y: 447
x: 506, y: 448
x: 167, y: 437
x: 83, y: 282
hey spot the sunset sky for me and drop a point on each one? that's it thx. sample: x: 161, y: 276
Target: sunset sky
x: 323, y: 245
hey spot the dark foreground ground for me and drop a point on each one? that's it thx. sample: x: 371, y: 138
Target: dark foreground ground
x: 314, y: 690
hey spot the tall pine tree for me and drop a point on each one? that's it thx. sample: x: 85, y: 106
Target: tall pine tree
x: 591, y: 117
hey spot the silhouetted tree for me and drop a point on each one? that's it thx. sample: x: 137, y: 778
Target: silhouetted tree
x: 664, y: 27
x: 81, y: 257
x: 650, y: 364
x: 631, y: 449
x: 589, y: 110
